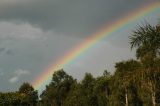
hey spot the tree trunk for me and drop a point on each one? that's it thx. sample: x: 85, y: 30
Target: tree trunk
x: 126, y: 97
x: 153, y: 93
x: 153, y: 98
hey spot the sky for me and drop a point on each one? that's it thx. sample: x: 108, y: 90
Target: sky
x: 34, y: 34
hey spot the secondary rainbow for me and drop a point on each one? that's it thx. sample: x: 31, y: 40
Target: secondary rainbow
x: 45, y: 77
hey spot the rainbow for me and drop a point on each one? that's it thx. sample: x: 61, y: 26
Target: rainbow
x: 46, y: 75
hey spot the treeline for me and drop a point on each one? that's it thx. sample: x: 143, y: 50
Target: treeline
x: 134, y: 83
x: 25, y: 96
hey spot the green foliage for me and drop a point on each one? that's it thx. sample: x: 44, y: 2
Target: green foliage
x: 58, y: 89
x: 147, y: 39
x: 10, y: 99
x: 30, y: 97
x: 26, y: 96
x: 26, y: 88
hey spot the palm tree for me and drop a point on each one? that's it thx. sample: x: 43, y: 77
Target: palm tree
x: 146, y: 40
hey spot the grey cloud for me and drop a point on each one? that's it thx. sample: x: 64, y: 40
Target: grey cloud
x: 1, y: 73
x: 2, y: 49
x: 9, y: 52
x: 13, y: 79
x: 17, y: 74
x: 74, y: 17
x: 34, y: 52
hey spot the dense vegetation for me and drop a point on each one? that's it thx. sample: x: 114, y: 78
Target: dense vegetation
x: 134, y: 83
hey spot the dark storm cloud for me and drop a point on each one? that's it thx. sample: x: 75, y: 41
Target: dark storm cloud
x: 72, y: 17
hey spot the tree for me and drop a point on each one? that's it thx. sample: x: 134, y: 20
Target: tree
x: 106, y: 73
x: 124, y: 82
x: 147, y: 41
x: 87, y: 85
x: 102, y: 90
x: 10, y: 99
x: 76, y: 97
x: 26, y: 88
x: 57, y: 91
x: 30, y: 96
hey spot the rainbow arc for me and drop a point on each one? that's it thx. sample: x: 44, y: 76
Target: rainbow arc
x: 45, y: 77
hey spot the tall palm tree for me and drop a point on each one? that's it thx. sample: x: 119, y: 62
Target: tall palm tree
x: 146, y: 40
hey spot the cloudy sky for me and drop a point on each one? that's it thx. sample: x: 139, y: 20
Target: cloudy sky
x: 36, y: 33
